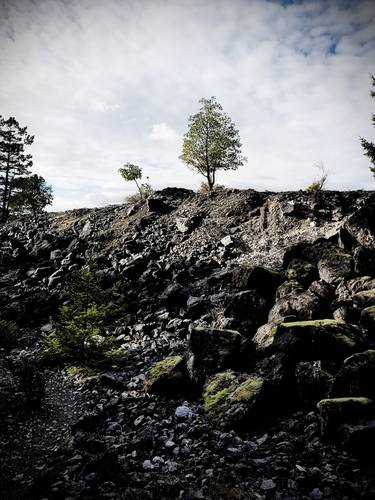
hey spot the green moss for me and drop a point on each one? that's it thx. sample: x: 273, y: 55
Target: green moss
x: 316, y: 322
x: 247, y: 389
x: 225, y: 391
x: 80, y: 371
x: 164, y: 367
x: 203, y: 329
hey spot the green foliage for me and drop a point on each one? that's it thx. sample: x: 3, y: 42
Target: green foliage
x: 13, y: 160
x: 80, y: 333
x: 212, y: 142
x: 369, y: 147
x: 130, y: 172
x: 30, y: 194
x: 318, y: 184
x: 8, y: 334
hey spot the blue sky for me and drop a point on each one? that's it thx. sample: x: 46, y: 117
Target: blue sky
x: 101, y: 83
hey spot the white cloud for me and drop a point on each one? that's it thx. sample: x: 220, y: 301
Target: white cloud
x: 161, y: 132
x: 102, y: 83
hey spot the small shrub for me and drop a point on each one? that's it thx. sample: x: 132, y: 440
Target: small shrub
x: 313, y: 187
x: 205, y: 188
x: 80, y: 333
x: 319, y: 184
x: 8, y: 334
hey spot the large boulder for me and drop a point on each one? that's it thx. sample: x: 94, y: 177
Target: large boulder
x: 319, y: 339
x: 233, y: 400
x: 367, y: 321
x: 248, y: 307
x: 289, y: 287
x: 336, y: 411
x: 335, y: 266
x: 347, y: 289
x: 356, y: 376
x: 365, y: 298
x: 259, y: 278
x: 212, y: 350
x: 361, y: 225
x: 167, y: 377
x: 303, y: 306
x: 301, y: 271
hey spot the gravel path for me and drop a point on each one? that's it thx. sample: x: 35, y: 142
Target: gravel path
x: 27, y: 442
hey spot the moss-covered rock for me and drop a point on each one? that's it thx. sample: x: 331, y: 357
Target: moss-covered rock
x: 336, y: 411
x: 319, y: 339
x: 212, y: 350
x: 233, y: 400
x: 301, y: 271
x: 367, y: 320
x: 289, y: 287
x: 364, y: 299
x: 167, y: 377
x: 356, y: 376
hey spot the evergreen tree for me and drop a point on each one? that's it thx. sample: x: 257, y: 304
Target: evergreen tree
x: 13, y: 160
x: 30, y: 194
x: 80, y: 332
x: 368, y: 146
x: 212, y: 142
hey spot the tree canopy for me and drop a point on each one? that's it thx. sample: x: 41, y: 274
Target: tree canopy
x: 369, y: 147
x: 212, y: 142
x: 14, y: 162
x: 30, y: 194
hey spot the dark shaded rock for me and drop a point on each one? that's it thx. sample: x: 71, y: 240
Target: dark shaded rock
x: 335, y: 266
x: 263, y: 280
x: 197, y: 307
x: 304, y: 306
x: 364, y: 261
x: 319, y: 339
x: 156, y: 205
x: 359, y: 439
x: 289, y: 288
x: 337, y: 411
x: 312, y: 382
x: 301, y: 271
x: 361, y: 225
x: 212, y: 350
x: 356, y: 376
x: 187, y: 224
x: 367, y: 321
x: 365, y: 298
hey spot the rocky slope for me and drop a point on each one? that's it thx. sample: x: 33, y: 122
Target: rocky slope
x: 249, y: 340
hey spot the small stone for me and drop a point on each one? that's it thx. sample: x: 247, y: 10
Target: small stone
x: 316, y: 494
x: 268, y: 484
x: 183, y: 413
x: 147, y: 465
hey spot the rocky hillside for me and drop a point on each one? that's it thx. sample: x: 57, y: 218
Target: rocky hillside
x: 249, y: 341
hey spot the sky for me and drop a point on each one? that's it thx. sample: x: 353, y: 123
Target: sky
x: 104, y: 82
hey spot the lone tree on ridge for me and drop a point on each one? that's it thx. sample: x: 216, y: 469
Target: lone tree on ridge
x: 212, y: 142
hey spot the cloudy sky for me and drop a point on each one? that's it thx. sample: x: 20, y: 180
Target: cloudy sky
x: 103, y: 82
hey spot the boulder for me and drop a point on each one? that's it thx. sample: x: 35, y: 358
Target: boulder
x: 356, y: 376
x: 367, y: 320
x: 358, y: 439
x: 212, y: 350
x: 167, y: 377
x: 361, y: 225
x: 247, y: 306
x: 304, y: 306
x: 347, y: 289
x: 365, y: 298
x: 156, y: 205
x: 319, y: 339
x: 289, y: 287
x: 364, y: 261
x: 336, y: 411
x: 233, y: 400
x: 262, y: 279
x: 187, y: 224
x: 312, y: 382
x: 301, y: 271
x: 335, y: 266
